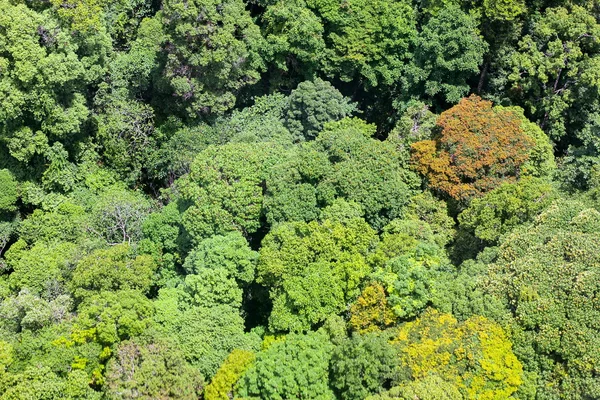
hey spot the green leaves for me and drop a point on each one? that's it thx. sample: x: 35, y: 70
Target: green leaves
x: 116, y: 268
x: 213, y: 52
x: 311, y: 105
x: 151, y: 370
x: 295, y: 367
x: 448, y: 52
x: 313, y: 270
x: 545, y: 275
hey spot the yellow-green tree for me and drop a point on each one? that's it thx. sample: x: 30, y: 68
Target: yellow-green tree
x: 476, y: 355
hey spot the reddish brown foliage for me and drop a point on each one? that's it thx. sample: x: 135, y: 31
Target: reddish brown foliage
x: 478, y: 148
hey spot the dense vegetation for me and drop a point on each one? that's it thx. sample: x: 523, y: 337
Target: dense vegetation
x: 300, y: 199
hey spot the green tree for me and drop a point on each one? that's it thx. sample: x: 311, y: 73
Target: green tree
x: 448, y: 52
x: 294, y: 40
x: 115, y: 268
x: 432, y: 387
x: 233, y: 368
x: 153, y: 370
x: 552, y: 72
x: 43, y: 81
x: 364, y: 170
x: 229, y: 252
x: 212, y: 52
x: 411, y: 266
x: 205, y: 335
x: 507, y: 207
x: 311, y: 105
x: 296, y: 367
x: 42, y: 268
x: 312, y: 270
x: 8, y: 192
x: 544, y: 275
x: 225, y: 189
x: 363, y: 365
x: 115, y: 316
x: 367, y: 41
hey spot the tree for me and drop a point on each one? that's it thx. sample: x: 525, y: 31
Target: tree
x: 8, y: 194
x: 151, y: 370
x: 294, y: 36
x: 364, y: 170
x: 432, y: 387
x: 478, y: 148
x: 44, y: 82
x: 261, y: 122
x: 475, y: 355
x: 363, y: 365
x: 448, y: 52
x: 42, y: 268
x: 293, y: 368
x: 118, y: 215
x: 212, y: 51
x: 312, y: 270
x: 311, y: 105
x: 205, y: 335
x: 367, y: 41
x: 115, y: 316
x: 115, y: 268
x: 411, y: 266
x: 225, y: 189
x: 233, y: 368
x: 28, y: 311
x: 229, y: 252
x: 554, y: 68
x: 544, y: 275
x: 506, y: 207
x: 371, y: 312
x: 43, y: 384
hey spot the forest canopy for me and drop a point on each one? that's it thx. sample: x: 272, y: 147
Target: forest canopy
x: 300, y: 199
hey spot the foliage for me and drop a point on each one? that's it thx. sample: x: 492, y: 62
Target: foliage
x: 363, y: 365
x: 151, y: 370
x: 232, y: 369
x: 544, y: 275
x: 475, y: 355
x: 9, y: 195
x: 295, y: 367
x: 479, y: 147
x: 205, y: 335
x: 40, y: 268
x: 432, y: 387
x: 367, y: 171
x: 506, y: 207
x: 224, y: 187
x: 448, y: 51
x: 272, y: 196
x: 211, y: 53
x: 313, y: 270
x: 115, y: 316
x: 294, y: 35
x: 411, y: 266
x: 553, y: 68
x: 366, y: 41
x: 115, y: 268
x: 371, y: 311
x: 229, y: 252
x: 311, y: 105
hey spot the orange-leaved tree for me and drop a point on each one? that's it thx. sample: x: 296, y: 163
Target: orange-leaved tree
x: 478, y: 147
